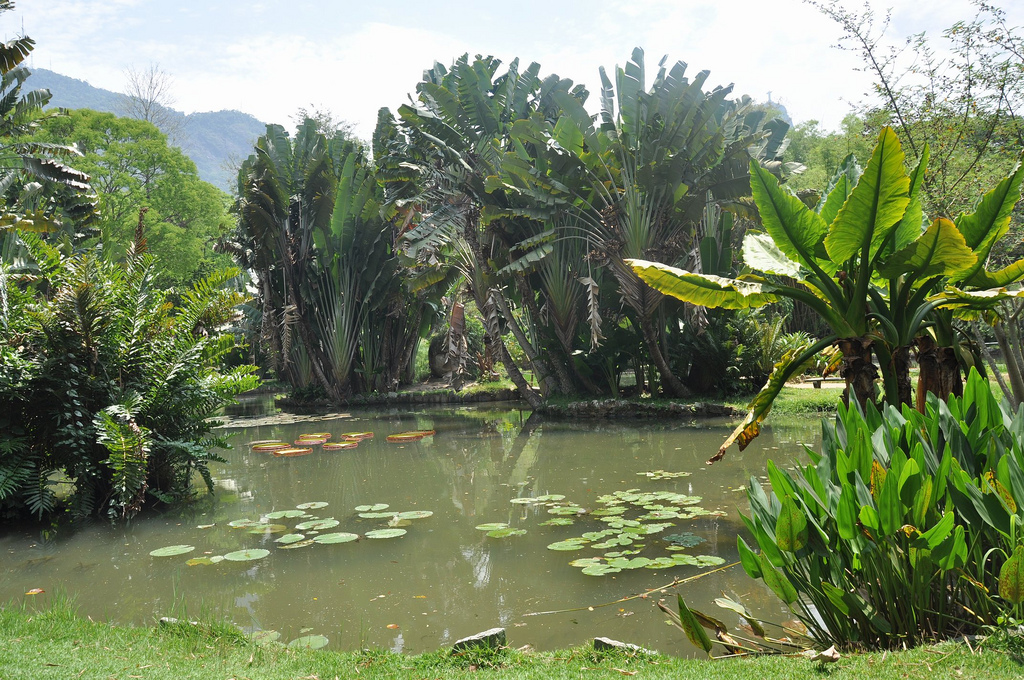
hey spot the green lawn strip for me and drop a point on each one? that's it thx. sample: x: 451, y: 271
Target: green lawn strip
x: 56, y: 643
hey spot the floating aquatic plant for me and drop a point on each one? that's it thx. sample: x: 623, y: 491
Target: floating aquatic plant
x: 414, y: 514
x: 309, y: 642
x: 317, y: 524
x: 492, y: 526
x: 357, y: 435
x: 288, y: 539
x: 385, y: 533
x: 247, y: 555
x: 661, y: 474
x: 172, y: 550
x: 376, y: 507
x: 340, y: 446
x: 339, y: 537
x: 506, y: 532
x: 285, y: 514
x: 293, y: 452
x: 312, y: 505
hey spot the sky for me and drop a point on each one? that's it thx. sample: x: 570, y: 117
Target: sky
x: 351, y: 58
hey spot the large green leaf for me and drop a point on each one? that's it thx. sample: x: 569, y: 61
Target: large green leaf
x: 691, y: 626
x: 990, y: 221
x: 795, y: 228
x: 777, y: 581
x: 761, y: 253
x: 1011, y: 577
x: 702, y: 289
x: 791, y: 526
x: 913, y: 219
x: 875, y: 206
x: 941, y: 250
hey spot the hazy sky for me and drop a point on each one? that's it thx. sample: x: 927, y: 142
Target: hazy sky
x: 269, y: 58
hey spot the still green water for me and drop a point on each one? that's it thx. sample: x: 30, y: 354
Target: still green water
x: 443, y: 579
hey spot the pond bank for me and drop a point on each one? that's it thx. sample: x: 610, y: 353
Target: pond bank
x: 54, y: 642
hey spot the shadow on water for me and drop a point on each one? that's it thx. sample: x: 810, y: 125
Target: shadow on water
x: 443, y: 579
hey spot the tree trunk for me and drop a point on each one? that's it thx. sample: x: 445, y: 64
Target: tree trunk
x: 858, y: 370
x: 939, y: 372
x: 515, y: 375
x: 670, y: 384
x: 901, y: 366
x: 545, y: 379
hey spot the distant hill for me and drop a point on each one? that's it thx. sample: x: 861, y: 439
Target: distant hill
x: 215, y: 141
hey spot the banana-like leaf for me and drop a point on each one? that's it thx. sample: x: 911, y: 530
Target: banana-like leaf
x: 702, y: 289
x: 941, y: 250
x: 528, y: 260
x: 792, y: 363
x: 839, y: 189
x: 955, y: 298
x: 991, y: 219
x: 795, y: 228
x: 875, y: 206
x: 910, y: 226
x: 761, y: 253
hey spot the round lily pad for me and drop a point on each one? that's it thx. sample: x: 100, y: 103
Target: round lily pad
x: 558, y: 522
x: 339, y: 537
x: 376, y: 507
x: 586, y: 562
x: 310, y: 442
x: 318, y: 524
x: 247, y: 555
x: 316, y: 435
x: 243, y: 523
x: 357, y: 435
x: 264, y: 636
x: 172, y: 550
x: 414, y: 514
x: 376, y: 515
x: 567, y: 510
x: 197, y: 561
x: 258, y: 442
x: 546, y: 498
x: 298, y: 544
x: 492, y: 526
x: 506, y: 532
x: 293, y: 452
x: 309, y: 642
x: 525, y: 501
x: 570, y: 544
x: 600, y: 570
x: 288, y: 539
x: 385, y: 533
x: 270, y: 448
x: 609, y: 512
x: 284, y: 514
x: 312, y: 505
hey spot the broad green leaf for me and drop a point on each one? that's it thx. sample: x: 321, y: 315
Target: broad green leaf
x: 839, y: 189
x: 309, y: 642
x: 911, y: 224
x: 990, y: 221
x: 941, y: 250
x: 733, y: 605
x: 172, y: 551
x: 385, y: 533
x: 761, y: 253
x: 691, y: 626
x: 951, y: 553
x: 795, y: 228
x: 876, y: 204
x: 791, y: 527
x: 247, y: 555
x: 777, y: 581
x: 938, y: 533
x: 1011, y: 577
x: 846, y: 515
x: 702, y: 289
x: 336, y: 537
x: 748, y: 558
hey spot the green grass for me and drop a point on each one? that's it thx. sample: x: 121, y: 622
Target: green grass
x: 54, y: 642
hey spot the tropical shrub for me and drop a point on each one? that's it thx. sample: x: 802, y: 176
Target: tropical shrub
x: 905, y: 528
x: 108, y: 384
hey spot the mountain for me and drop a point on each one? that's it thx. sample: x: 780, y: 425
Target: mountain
x: 215, y: 141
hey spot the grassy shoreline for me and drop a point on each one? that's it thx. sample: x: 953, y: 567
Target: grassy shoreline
x: 54, y: 642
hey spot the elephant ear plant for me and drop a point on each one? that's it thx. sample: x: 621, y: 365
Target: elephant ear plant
x: 904, y: 528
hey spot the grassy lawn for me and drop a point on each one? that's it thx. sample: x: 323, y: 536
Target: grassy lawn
x: 56, y: 643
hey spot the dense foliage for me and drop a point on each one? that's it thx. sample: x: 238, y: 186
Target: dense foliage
x: 905, y: 527
x: 107, y: 387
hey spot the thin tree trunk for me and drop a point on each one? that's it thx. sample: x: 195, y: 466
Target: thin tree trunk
x: 993, y: 366
x: 939, y: 372
x: 540, y: 367
x: 670, y: 384
x: 859, y: 370
x: 1013, y: 367
x: 901, y: 367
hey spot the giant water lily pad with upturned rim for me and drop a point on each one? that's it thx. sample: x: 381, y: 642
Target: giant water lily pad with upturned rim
x: 293, y: 452
x: 341, y: 446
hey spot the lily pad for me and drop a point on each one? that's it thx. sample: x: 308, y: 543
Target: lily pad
x: 268, y: 529
x: 260, y: 442
x: 338, y: 537
x: 661, y: 474
x: 414, y: 514
x: 299, y: 544
x: 318, y: 524
x: 197, y: 561
x: 316, y: 435
x: 293, y: 452
x: 558, y: 522
x: 312, y: 505
x: 310, y: 442
x: 288, y: 539
x: 385, y: 533
x: 547, y: 498
x: 697, y: 560
x: 527, y: 500
x: 243, y: 523
x: 309, y: 642
x: 172, y: 550
x: 609, y: 512
x: 217, y: 559
x: 376, y: 515
x: 405, y: 437
x: 492, y: 526
x: 247, y: 555
x: 376, y: 507
x: 566, y: 510
x: 661, y: 563
x: 265, y: 636
x: 270, y: 448
x: 506, y: 532
x: 340, y: 446
x: 600, y: 570
x: 659, y: 514
x: 686, y: 539
x: 357, y: 435
x: 586, y: 562
x: 284, y: 514
x: 569, y: 544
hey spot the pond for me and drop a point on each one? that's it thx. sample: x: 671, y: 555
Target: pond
x: 443, y: 578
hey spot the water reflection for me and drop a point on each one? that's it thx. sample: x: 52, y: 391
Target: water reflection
x: 443, y: 579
